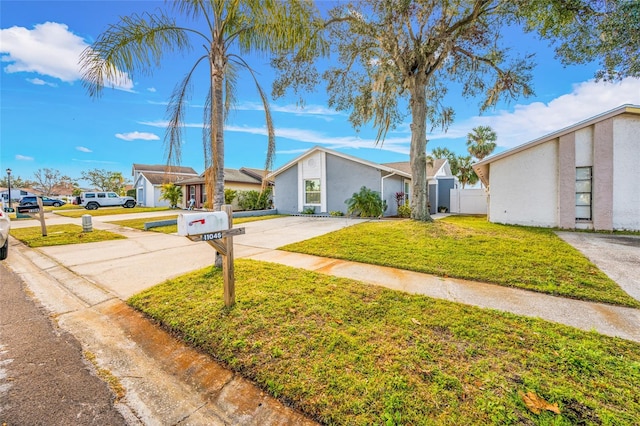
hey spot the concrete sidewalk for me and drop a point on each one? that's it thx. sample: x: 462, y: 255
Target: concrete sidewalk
x: 126, y: 267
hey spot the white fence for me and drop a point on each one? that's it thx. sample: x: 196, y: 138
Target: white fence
x: 468, y: 201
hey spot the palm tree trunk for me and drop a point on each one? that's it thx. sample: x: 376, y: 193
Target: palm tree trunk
x: 215, y: 182
x: 418, y: 152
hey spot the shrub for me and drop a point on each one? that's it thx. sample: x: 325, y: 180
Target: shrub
x: 399, y: 198
x: 404, y: 211
x: 254, y: 200
x: 309, y: 210
x: 172, y: 193
x: 230, y: 195
x: 366, y: 203
x: 336, y: 213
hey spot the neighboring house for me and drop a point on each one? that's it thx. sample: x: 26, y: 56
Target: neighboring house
x: 16, y: 194
x: 243, y: 179
x: 323, y: 179
x: 148, y: 181
x: 584, y: 176
x: 439, y: 179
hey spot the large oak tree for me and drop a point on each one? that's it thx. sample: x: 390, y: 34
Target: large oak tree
x: 397, y: 58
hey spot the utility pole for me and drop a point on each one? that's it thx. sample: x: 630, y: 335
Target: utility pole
x: 9, y: 185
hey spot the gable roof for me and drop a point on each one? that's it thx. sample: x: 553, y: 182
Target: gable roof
x: 315, y: 149
x: 163, y: 168
x: 482, y: 167
x: 242, y: 175
x: 162, y: 178
x: 239, y: 176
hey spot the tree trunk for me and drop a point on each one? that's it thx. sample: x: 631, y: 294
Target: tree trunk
x: 418, y: 152
x: 217, y: 136
x: 215, y: 177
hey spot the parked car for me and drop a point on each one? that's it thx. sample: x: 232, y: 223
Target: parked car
x: 5, y: 225
x: 46, y: 201
x: 93, y: 200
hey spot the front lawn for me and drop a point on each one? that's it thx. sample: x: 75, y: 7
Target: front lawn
x: 58, y: 235
x: 107, y: 211
x: 347, y: 353
x: 474, y: 249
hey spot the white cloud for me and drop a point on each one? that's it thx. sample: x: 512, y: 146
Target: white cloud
x: 131, y: 136
x: 23, y: 158
x: 152, y: 89
x: 49, y: 49
x: 40, y: 82
x: 528, y: 122
x: 83, y: 149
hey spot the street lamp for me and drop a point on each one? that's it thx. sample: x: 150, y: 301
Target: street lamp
x: 9, y: 185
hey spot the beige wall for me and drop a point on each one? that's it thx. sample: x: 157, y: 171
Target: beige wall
x: 626, y: 174
x: 524, y: 187
x: 536, y: 186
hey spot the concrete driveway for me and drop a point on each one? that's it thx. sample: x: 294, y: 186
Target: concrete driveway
x: 144, y: 259
x: 618, y: 256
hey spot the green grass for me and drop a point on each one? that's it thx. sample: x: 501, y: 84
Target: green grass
x: 172, y: 229
x: 106, y: 211
x: 474, y: 249
x: 61, y: 235
x: 347, y: 353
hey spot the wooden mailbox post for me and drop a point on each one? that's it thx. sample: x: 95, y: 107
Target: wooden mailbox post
x: 31, y: 212
x: 216, y: 228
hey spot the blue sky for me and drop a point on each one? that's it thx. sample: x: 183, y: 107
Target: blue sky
x: 47, y: 120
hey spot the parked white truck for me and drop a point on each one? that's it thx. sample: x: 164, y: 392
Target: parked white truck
x: 93, y: 200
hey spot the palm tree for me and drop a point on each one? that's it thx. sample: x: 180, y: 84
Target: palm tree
x: 228, y: 30
x: 172, y: 193
x: 481, y: 142
x: 466, y: 175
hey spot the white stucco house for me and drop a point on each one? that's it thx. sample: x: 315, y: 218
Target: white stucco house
x: 323, y: 179
x: 582, y: 177
x: 148, y: 181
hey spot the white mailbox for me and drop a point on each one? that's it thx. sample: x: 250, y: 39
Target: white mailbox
x: 202, y: 223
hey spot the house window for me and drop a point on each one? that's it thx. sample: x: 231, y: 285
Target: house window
x: 407, y: 189
x: 192, y: 192
x: 312, y: 191
x: 583, y: 193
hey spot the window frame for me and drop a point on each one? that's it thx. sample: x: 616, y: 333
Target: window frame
x: 580, y: 194
x: 313, y: 192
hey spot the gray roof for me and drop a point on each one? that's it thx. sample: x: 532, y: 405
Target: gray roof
x: 163, y: 168
x: 162, y: 178
x: 235, y: 175
x: 243, y: 175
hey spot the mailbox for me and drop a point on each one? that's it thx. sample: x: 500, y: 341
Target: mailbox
x: 202, y: 223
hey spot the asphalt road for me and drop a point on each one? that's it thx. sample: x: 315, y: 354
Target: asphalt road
x: 44, y: 380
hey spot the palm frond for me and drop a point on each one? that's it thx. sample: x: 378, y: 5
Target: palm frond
x: 230, y: 85
x: 176, y: 112
x: 271, y: 135
x: 206, y: 131
x: 136, y: 44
